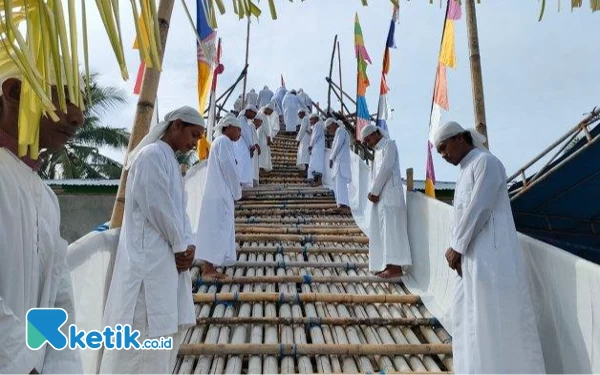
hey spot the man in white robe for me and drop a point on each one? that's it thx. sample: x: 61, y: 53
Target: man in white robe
x: 494, y: 327
x: 252, y: 98
x: 264, y: 140
x: 305, y: 99
x: 291, y: 106
x: 238, y: 105
x: 246, y: 147
x: 278, y: 99
x: 303, y: 139
x: 316, y: 164
x: 150, y: 288
x: 215, y: 235
x: 339, y: 161
x: 272, y: 119
x: 389, y: 249
x: 264, y: 96
x: 33, y: 266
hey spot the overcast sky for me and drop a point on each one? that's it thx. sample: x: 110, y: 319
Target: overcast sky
x: 540, y: 78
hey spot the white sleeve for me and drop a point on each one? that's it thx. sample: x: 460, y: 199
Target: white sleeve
x: 63, y: 361
x: 229, y: 170
x: 488, y: 179
x: 387, y: 168
x: 154, y: 197
x: 317, y: 135
x: 338, y: 141
x: 15, y: 358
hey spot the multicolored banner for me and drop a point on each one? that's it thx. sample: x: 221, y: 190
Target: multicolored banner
x: 384, y: 112
x: 447, y: 58
x: 206, y: 51
x: 363, y: 117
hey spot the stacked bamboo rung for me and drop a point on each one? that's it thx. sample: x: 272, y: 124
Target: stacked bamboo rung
x: 300, y: 298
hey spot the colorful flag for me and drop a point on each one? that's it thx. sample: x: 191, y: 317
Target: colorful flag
x: 363, y: 118
x: 206, y: 53
x: 383, y: 109
x: 446, y: 58
x: 212, y: 109
x: 137, y: 88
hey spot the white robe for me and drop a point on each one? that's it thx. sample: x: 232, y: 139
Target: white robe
x: 33, y: 269
x: 264, y: 97
x: 278, y: 99
x: 340, y: 156
x: 238, y: 105
x: 252, y: 98
x: 245, y: 165
x: 215, y: 235
x: 291, y: 106
x: 493, y: 321
x: 303, y: 156
x: 306, y: 100
x: 273, y: 123
x: 388, y: 234
x: 317, y: 154
x: 155, y: 228
x: 265, y: 156
x: 255, y: 156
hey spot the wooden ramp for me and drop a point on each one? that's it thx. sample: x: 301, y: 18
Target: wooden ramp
x: 301, y: 298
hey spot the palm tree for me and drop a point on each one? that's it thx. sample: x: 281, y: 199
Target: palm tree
x: 81, y: 156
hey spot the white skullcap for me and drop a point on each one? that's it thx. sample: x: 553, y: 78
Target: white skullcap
x: 330, y: 121
x: 452, y: 128
x: 227, y: 120
x: 340, y: 123
x: 313, y: 115
x: 186, y: 114
x: 368, y: 130
x: 251, y: 107
x: 269, y: 105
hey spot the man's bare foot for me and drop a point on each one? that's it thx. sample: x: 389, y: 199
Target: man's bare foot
x: 209, y: 271
x: 390, y: 272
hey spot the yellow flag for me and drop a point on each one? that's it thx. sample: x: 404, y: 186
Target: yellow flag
x: 447, y: 53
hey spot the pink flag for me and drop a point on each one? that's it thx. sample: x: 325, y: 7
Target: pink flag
x: 454, y: 11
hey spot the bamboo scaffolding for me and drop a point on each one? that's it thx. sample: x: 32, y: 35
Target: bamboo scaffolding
x: 300, y: 238
x: 297, y: 230
x: 304, y: 249
x: 410, y: 322
x: 305, y: 297
x: 295, y: 220
x: 312, y: 349
x: 306, y: 279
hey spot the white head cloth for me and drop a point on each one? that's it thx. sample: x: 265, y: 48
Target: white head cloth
x: 268, y: 106
x: 452, y: 128
x: 251, y: 107
x: 252, y: 90
x: 228, y: 120
x: 313, y: 115
x: 186, y: 114
x: 330, y: 121
x: 261, y: 117
x: 368, y: 130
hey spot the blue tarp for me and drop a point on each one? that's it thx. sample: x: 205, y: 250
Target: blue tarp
x: 564, y: 207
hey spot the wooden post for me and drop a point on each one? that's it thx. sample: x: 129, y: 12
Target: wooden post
x: 247, y: 54
x: 145, y: 108
x: 331, y: 73
x: 476, y: 77
x: 340, y: 70
x: 410, y: 180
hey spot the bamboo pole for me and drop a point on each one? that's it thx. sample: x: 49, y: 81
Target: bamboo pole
x: 409, y: 322
x: 410, y: 179
x: 340, y: 74
x: 307, y: 279
x: 304, y: 249
x: 293, y: 220
x: 305, y: 297
x: 331, y: 71
x: 283, y: 264
x: 301, y: 238
x: 476, y: 76
x: 247, y: 55
x: 145, y: 108
x: 296, y: 230
x: 313, y: 349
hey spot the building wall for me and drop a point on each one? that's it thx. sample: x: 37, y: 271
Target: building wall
x: 81, y: 213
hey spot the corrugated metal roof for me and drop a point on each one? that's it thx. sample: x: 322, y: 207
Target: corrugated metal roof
x: 82, y: 182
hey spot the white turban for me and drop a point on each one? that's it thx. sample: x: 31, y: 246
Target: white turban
x: 330, y: 121
x: 261, y: 117
x: 268, y: 106
x: 228, y: 120
x: 368, y: 130
x: 313, y: 115
x: 451, y: 129
x: 251, y: 107
x: 186, y: 114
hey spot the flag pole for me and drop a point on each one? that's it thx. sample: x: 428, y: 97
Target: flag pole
x: 247, y: 53
x: 476, y: 76
x: 331, y: 72
x: 340, y: 72
x: 145, y: 108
